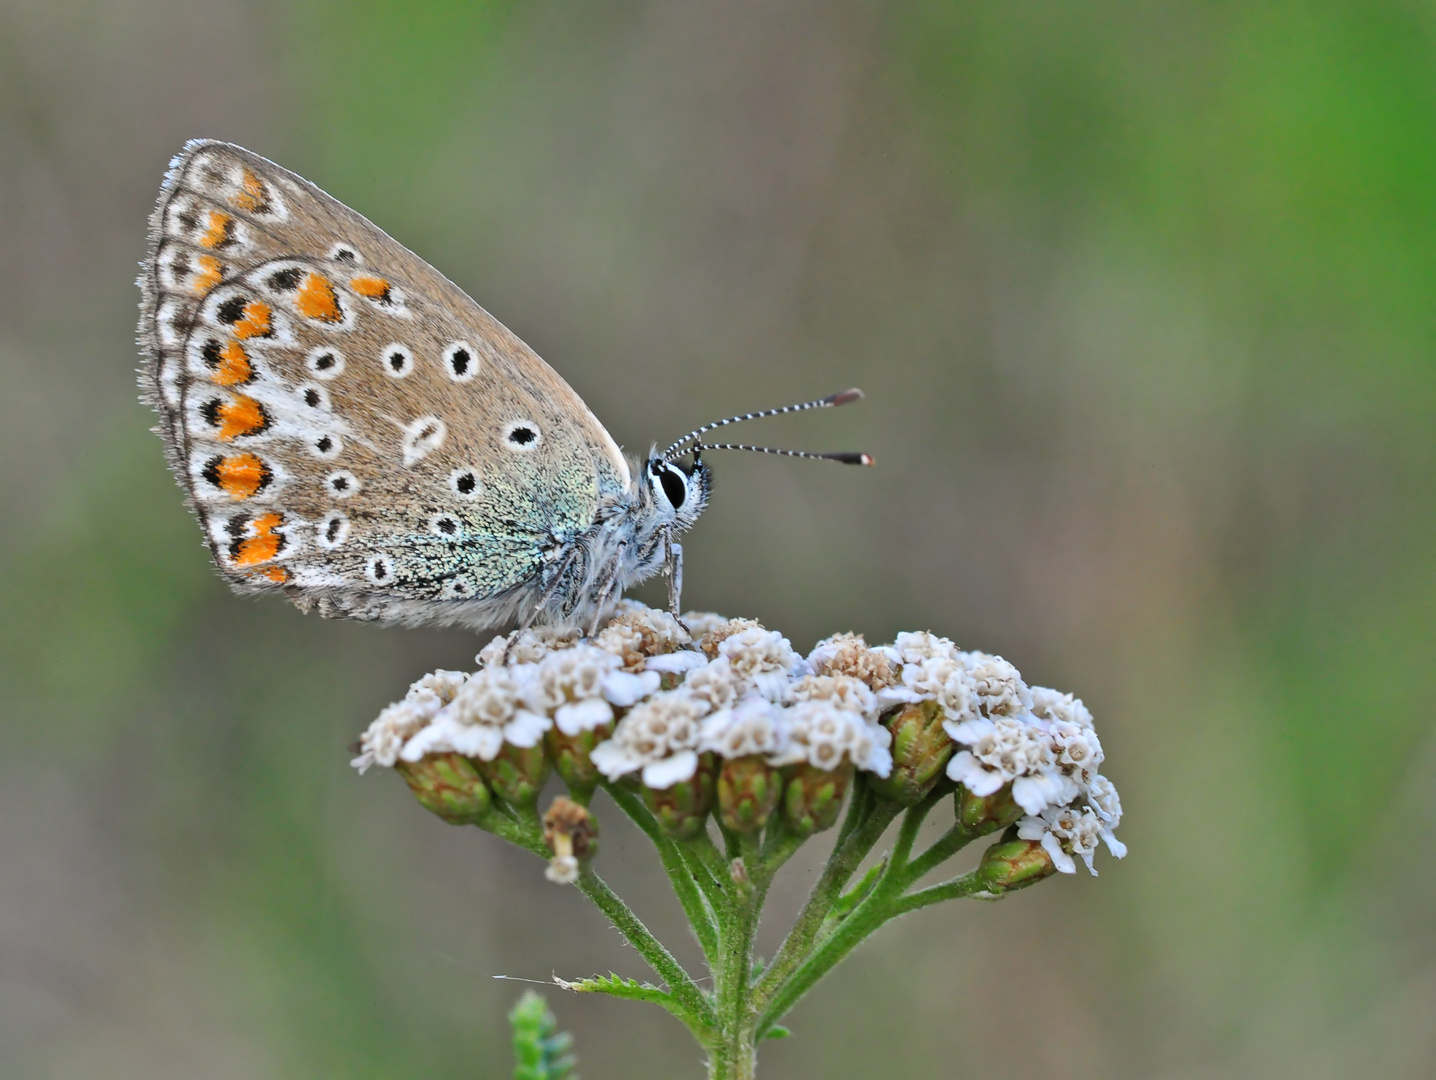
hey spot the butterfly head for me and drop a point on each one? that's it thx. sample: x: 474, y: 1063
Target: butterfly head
x: 676, y: 493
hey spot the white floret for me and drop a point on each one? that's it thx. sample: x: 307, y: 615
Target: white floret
x: 753, y: 726
x: 659, y: 736
x: 998, y: 685
x: 1067, y: 831
x: 1008, y: 751
x: 487, y: 712
x: 385, y: 737
x: 915, y: 647
x: 763, y: 659
x: 824, y: 736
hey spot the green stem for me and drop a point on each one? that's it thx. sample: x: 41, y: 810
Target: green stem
x: 710, y: 870
x: 525, y: 834
x: 695, y: 905
x: 683, y: 988
x: 955, y: 889
x: 842, y: 863
x: 943, y: 848
x: 907, y: 836
x: 733, y: 1054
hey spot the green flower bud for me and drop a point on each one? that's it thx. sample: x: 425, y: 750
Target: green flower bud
x: 920, y: 752
x: 518, y: 773
x: 813, y: 796
x: 572, y: 758
x: 447, y: 785
x: 986, y: 813
x: 748, y: 792
x: 682, y: 809
x: 1012, y: 864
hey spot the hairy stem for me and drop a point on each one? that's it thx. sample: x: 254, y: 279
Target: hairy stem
x: 842, y: 863
x: 680, y: 985
x: 696, y: 907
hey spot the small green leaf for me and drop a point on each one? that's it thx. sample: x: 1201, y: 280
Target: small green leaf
x: 777, y: 1031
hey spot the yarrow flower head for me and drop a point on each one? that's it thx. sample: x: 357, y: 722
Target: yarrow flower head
x: 677, y: 709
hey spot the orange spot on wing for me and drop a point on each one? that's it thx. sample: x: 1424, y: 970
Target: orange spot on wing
x: 255, y: 322
x: 375, y: 288
x: 241, y: 476
x: 242, y: 416
x: 263, y: 545
x: 210, y: 271
x: 220, y: 230
x: 317, y: 300
x: 234, y: 367
x: 276, y: 574
x: 251, y: 195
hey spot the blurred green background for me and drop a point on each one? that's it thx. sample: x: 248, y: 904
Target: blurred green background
x: 1144, y: 300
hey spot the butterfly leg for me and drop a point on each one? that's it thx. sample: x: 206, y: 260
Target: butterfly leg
x: 675, y: 576
x: 531, y: 616
x: 604, y: 589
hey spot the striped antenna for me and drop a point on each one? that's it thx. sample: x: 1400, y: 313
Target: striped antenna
x: 829, y: 402
x: 845, y: 457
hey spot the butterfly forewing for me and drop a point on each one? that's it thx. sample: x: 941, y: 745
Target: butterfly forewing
x: 347, y: 422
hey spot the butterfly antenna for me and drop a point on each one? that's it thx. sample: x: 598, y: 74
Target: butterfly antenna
x: 845, y: 457
x: 829, y: 402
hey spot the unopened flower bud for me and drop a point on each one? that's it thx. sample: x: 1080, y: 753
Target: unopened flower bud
x: 572, y: 757
x: 986, y: 813
x: 682, y: 807
x: 447, y: 785
x: 920, y: 750
x: 517, y: 773
x: 813, y: 796
x: 748, y: 793
x: 1012, y: 864
x: 571, y: 833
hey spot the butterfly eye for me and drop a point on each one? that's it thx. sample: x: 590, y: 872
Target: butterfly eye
x: 523, y: 436
x: 325, y: 363
x: 342, y: 484
x: 460, y: 361
x: 675, y: 487
x: 465, y: 483
x: 398, y: 361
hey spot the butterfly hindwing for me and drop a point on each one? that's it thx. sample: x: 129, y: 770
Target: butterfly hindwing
x: 349, y: 425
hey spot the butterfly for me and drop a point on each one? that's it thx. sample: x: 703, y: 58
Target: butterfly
x: 357, y: 434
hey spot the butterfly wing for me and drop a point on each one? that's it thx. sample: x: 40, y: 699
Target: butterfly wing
x: 349, y: 426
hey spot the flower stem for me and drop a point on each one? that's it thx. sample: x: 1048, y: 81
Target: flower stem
x: 842, y: 863
x: 695, y: 904
x: 680, y: 985
x: 883, y: 904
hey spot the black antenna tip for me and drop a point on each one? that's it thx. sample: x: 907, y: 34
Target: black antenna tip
x: 846, y: 397
x: 848, y: 457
